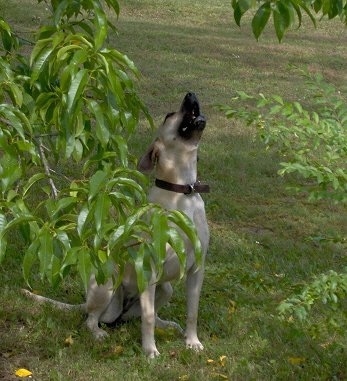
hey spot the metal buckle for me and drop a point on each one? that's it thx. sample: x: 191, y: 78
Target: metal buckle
x: 191, y: 189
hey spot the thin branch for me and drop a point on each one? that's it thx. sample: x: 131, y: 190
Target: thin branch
x: 47, y: 169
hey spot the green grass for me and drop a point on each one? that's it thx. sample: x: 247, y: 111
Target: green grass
x: 260, y: 249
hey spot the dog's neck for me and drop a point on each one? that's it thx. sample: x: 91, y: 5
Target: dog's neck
x: 177, y: 170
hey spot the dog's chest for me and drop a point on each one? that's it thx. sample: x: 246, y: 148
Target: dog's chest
x: 176, y: 201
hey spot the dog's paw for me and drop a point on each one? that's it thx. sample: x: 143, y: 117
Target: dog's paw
x: 99, y: 334
x: 194, y: 344
x: 152, y: 353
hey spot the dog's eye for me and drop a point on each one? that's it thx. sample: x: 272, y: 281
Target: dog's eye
x: 168, y: 115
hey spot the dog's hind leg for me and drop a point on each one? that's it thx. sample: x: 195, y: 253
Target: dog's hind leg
x: 104, y: 304
x: 163, y: 294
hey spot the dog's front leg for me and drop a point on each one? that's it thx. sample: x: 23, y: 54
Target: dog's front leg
x: 147, y: 300
x: 193, y: 289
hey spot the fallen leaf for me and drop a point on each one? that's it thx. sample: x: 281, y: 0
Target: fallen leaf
x: 296, y: 360
x: 222, y: 360
x: 210, y: 361
x: 220, y: 375
x: 232, y: 307
x: 68, y: 341
x: 22, y: 372
x: 118, y: 349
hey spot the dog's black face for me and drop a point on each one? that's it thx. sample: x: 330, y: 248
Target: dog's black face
x: 178, y: 137
x: 192, y: 120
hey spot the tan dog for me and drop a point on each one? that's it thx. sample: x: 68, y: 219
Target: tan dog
x: 173, y: 155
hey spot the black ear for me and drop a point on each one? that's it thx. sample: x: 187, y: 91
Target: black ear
x: 148, y: 160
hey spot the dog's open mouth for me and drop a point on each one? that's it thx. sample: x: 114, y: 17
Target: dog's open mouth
x: 192, y: 120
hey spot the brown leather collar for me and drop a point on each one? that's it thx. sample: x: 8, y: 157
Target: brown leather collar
x: 186, y: 189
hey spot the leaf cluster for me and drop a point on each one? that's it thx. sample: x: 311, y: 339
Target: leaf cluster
x: 312, y: 141
x: 74, y: 101
x: 329, y: 288
x: 285, y: 13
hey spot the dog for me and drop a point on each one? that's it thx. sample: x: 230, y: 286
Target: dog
x: 173, y: 157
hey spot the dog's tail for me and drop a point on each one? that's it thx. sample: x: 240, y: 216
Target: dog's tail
x: 55, y: 303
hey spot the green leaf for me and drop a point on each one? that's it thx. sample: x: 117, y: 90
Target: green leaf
x: 84, y: 265
x: 141, y: 260
x: 16, y: 119
x: 82, y: 220
x: 62, y: 204
x: 45, y: 251
x: 77, y: 87
x: 15, y: 93
x: 39, y: 58
x: 60, y: 11
x: 114, y: 5
x: 101, y: 26
x: 33, y: 180
x: 282, y: 18
x: 117, y: 238
x: 71, y: 257
x: 8, y: 40
x: 260, y: 19
x: 187, y: 226
x: 62, y: 237
x: 10, y: 171
x: 297, y: 10
x: 102, y: 132
x: 29, y: 259
x: 176, y: 241
x: 160, y: 238
x: 102, y: 210
x: 238, y: 11
x: 122, y: 149
x: 97, y: 183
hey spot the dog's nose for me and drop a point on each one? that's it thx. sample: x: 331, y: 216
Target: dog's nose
x: 200, y: 122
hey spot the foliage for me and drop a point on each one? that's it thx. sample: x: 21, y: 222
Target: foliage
x: 286, y: 12
x: 313, y: 142
x: 329, y: 288
x: 74, y: 99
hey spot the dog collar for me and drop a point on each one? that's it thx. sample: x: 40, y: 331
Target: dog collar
x: 187, y: 189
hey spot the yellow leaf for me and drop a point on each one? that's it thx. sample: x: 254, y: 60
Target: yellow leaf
x: 210, y: 361
x: 232, y: 307
x: 222, y: 360
x: 220, y: 375
x: 214, y: 338
x: 23, y: 372
x: 296, y: 360
x: 68, y: 341
x: 118, y: 349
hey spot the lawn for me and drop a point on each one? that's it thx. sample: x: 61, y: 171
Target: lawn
x: 262, y: 235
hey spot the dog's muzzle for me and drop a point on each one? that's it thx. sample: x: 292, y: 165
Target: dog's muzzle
x: 200, y: 122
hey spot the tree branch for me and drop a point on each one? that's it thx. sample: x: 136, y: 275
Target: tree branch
x: 47, y: 169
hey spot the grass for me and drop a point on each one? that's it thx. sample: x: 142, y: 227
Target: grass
x: 260, y: 249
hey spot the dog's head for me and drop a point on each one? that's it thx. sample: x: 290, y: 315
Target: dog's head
x: 179, y: 135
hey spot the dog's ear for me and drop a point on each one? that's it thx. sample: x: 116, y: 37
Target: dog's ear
x: 148, y: 160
